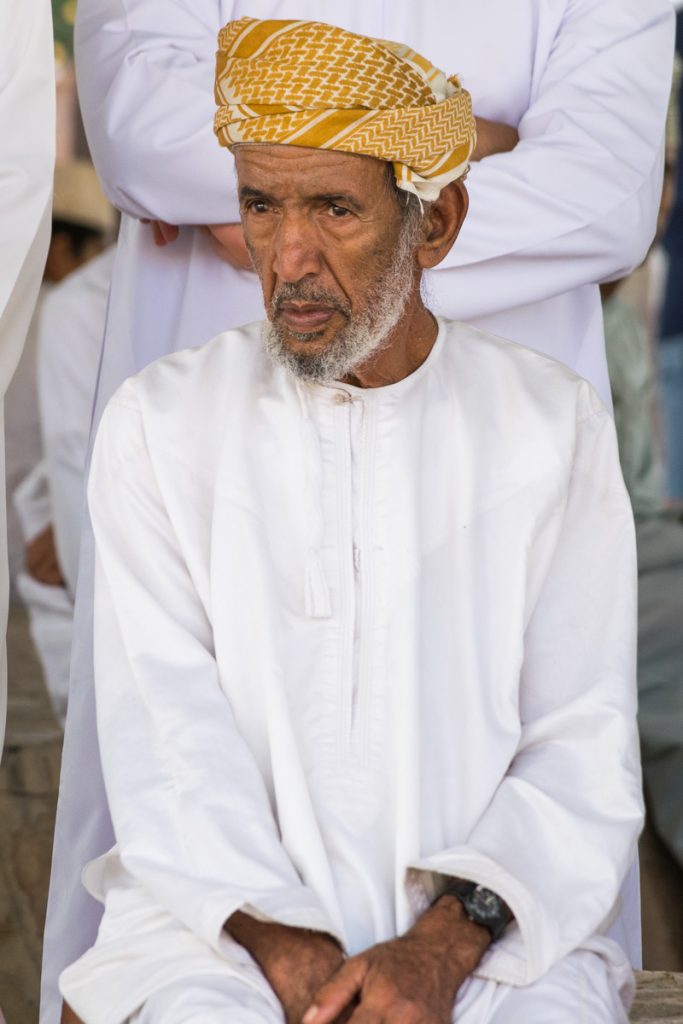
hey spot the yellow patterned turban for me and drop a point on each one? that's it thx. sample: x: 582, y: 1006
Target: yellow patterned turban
x: 303, y: 83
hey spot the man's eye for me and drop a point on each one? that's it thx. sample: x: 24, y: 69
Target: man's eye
x: 258, y: 206
x: 338, y: 211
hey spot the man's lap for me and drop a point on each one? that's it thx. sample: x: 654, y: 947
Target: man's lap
x: 208, y: 1000
x: 576, y: 991
x: 147, y: 968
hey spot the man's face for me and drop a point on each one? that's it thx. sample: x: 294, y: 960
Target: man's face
x: 333, y: 250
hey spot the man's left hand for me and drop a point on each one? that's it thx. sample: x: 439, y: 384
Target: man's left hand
x: 228, y: 243
x: 413, y: 979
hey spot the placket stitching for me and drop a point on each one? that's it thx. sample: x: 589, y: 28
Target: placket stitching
x: 342, y: 419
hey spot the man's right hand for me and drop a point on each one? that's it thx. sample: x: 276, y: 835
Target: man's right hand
x: 68, y: 1016
x: 40, y: 559
x: 162, y: 233
x: 295, y: 962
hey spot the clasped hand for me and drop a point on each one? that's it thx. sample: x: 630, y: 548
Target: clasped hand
x: 403, y: 981
x: 413, y: 979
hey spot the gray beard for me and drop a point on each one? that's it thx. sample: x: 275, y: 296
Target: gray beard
x: 363, y: 335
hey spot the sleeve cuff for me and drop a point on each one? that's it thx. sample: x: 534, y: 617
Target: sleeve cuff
x: 296, y: 908
x: 527, y: 948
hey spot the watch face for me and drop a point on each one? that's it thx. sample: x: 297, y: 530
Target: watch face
x: 486, y: 901
x: 485, y: 908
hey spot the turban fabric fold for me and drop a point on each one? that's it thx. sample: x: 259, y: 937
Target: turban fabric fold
x: 304, y: 83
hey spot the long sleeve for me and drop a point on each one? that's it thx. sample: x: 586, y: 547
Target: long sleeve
x: 559, y: 834
x: 27, y: 119
x: 190, y: 807
x: 145, y: 76
x: 27, y: 129
x: 576, y: 201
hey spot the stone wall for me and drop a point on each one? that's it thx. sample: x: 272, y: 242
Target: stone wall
x: 659, y: 999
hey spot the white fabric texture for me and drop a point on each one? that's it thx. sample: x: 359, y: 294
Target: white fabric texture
x: 23, y: 447
x: 51, y: 618
x: 27, y: 128
x: 577, y: 989
x: 465, y: 708
x: 69, y: 343
x: 586, y: 80
x: 50, y: 608
x: 68, y: 359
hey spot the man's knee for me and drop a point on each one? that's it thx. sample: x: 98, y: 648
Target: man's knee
x: 208, y: 1000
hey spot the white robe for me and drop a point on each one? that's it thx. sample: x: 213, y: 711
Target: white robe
x: 348, y: 642
x: 67, y: 360
x: 22, y: 432
x: 27, y: 153
x: 575, y: 203
x: 69, y: 349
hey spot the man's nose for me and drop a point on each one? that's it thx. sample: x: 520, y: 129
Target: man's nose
x: 297, y: 248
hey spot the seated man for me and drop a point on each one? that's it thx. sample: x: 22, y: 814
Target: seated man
x: 365, y: 605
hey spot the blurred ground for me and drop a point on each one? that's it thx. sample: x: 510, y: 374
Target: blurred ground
x: 29, y: 777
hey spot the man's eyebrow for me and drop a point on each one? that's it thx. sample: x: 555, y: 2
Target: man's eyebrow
x: 333, y: 198
x: 247, y: 192
x: 339, y: 199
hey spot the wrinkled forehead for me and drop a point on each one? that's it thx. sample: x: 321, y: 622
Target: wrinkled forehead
x: 301, y: 170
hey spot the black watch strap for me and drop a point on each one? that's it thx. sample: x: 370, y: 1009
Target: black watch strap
x: 482, y: 906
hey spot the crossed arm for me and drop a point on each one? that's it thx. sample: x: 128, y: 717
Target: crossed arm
x: 228, y: 239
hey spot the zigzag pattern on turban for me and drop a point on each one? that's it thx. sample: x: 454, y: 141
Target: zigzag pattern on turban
x: 304, y: 83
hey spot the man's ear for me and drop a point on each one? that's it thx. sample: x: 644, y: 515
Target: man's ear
x: 443, y: 222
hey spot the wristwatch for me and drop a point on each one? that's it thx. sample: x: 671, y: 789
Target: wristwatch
x: 482, y: 906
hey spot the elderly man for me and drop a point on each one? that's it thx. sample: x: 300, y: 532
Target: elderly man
x: 573, y: 204
x: 364, y: 608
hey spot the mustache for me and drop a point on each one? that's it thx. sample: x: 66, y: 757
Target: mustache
x: 300, y: 291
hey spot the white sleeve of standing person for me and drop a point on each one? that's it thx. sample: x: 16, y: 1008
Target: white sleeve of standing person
x: 27, y: 154
x: 145, y: 75
x: 560, y: 833
x: 191, y: 812
x: 576, y: 201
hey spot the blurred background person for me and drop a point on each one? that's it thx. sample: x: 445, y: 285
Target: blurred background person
x: 27, y: 155
x: 55, y: 403
x: 82, y: 224
x: 630, y: 310
x: 671, y: 326
x: 27, y: 127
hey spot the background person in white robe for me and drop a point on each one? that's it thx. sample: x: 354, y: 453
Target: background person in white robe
x: 531, y: 253
x: 365, y: 615
x: 27, y: 153
x: 45, y: 452
x: 82, y: 223
x: 49, y: 501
